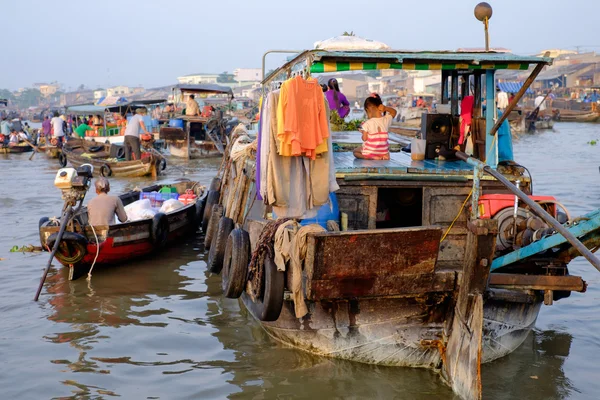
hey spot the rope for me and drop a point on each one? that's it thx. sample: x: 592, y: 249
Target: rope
x: 89, y: 277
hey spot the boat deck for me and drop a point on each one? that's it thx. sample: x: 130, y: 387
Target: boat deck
x: 398, y: 164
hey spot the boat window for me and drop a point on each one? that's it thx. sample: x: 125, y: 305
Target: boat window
x: 197, y: 131
x: 399, y: 207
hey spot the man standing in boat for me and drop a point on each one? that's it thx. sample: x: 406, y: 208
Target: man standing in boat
x: 132, y: 134
x: 191, y: 106
x: 102, y: 208
x: 57, y: 126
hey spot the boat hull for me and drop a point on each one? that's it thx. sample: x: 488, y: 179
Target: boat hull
x: 15, y: 149
x: 393, y: 331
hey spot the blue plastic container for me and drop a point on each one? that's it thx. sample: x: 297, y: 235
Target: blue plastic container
x: 176, y: 123
x: 327, y: 212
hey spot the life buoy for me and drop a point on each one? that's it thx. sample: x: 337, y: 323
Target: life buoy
x: 105, y: 170
x: 268, y: 307
x: 72, y: 247
x: 159, y: 231
x: 235, y: 263
x: 217, y: 248
x: 211, y: 200
x: 62, y: 159
x: 215, y: 216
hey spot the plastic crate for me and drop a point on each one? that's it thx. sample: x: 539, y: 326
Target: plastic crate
x: 157, y: 199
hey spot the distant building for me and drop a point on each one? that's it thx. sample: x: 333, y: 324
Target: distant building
x: 247, y: 74
x: 198, y: 78
x: 47, y: 90
x: 100, y: 93
x: 78, y: 97
x: 118, y: 91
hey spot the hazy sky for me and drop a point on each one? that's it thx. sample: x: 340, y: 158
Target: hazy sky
x: 151, y: 42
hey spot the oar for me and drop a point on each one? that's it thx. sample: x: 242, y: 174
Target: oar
x: 35, y: 149
x: 63, y: 225
x: 584, y: 251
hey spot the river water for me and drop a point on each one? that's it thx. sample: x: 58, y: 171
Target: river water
x: 160, y: 329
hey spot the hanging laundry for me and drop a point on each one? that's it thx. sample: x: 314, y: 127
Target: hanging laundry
x: 302, y: 118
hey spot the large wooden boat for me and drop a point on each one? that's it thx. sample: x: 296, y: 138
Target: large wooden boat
x: 119, y: 243
x: 197, y: 136
x: 20, y: 148
x: 438, y: 265
x: 79, y: 152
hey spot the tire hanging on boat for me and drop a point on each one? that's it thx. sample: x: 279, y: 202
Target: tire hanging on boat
x: 213, y: 223
x: 235, y: 263
x: 72, y: 247
x: 192, y: 218
x: 200, y: 203
x: 43, y: 220
x: 215, y: 184
x: 217, y: 248
x: 162, y: 164
x: 268, y: 307
x: 159, y: 231
x: 212, y: 199
x: 105, y: 170
x: 62, y: 159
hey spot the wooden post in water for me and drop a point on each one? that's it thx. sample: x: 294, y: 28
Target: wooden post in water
x: 462, y: 364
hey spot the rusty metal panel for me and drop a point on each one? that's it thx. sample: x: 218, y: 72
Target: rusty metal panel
x: 538, y: 282
x: 372, y: 262
x: 172, y: 134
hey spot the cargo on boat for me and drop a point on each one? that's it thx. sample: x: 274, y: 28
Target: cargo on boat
x: 439, y: 258
x: 83, y: 246
x: 108, y: 159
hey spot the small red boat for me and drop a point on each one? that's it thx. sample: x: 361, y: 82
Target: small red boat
x: 119, y: 243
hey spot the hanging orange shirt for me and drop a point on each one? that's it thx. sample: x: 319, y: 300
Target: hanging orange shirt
x: 302, y: 126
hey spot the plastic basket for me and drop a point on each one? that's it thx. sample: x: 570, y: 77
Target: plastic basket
x: 157, y: 199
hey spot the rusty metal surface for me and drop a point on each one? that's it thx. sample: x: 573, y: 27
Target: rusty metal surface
x: 538, y: 282
x: 372, y: 263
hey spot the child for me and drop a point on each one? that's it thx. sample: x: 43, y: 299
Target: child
x: 375, y: 130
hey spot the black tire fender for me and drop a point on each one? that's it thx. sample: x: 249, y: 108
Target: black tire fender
x: 62, y: 159
x: 268, y: 308
x: 162, y: 164
x: 235, y: 263
x: 192, y: 218
x: 213, y: 223
x: 105, y: 170
x: 74, y: 247
x: 159, y: 230
x: 217, y: 248
x: 200, y: 203
x: 215, y: 184
x: 211, y: 199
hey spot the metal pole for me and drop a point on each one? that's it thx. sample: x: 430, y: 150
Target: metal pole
x: 584, y: 251
x: 63, y: 225
x: 487, y: 36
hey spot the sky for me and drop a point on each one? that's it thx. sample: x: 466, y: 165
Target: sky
x: 151, y: 42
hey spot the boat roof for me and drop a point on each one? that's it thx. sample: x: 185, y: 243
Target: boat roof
x: 148, y: 102
x: 338, y: 61
x: 87, y: 109
x: 204, y: 88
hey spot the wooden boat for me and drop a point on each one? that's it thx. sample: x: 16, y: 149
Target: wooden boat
x: 79, y: 151
x: 120, y: 243
x: 576, y: 116
x: 20, y: 148
x: 198, y: 136
x: 50, y: 151
x: 416, y: 277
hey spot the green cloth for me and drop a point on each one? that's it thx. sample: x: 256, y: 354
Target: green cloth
x: 82, y: 129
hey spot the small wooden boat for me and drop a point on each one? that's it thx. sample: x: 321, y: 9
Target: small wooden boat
x: 122, y: 242
x: 50, y: 151
x: 576, y: 116
x: 107, y: 159
x: 20, y: 148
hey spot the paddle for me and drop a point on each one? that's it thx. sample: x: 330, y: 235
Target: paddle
x: 35, y: 149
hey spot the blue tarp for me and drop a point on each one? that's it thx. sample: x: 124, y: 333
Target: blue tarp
x: 512, y: 87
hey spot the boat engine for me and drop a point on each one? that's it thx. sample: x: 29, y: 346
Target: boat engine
x: 517, y: 226
x: 74, y: 183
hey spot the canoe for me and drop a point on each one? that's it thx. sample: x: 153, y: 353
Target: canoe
x: 573, y: 116
x: 16, y: 149
x: 124, y: 242
x: 79, y: 151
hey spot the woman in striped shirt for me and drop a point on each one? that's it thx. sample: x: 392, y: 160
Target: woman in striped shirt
x: 375, y: 130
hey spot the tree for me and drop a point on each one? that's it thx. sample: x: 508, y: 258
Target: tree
x: 6, y: 94
x: 346, y: 33
x: 28, y: 98
x: 81, y: 87
x: 225, y: 77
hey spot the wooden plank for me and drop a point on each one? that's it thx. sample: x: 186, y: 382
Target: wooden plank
x: 462, y: 364
x: 372, y: 262
x: 538, y: 282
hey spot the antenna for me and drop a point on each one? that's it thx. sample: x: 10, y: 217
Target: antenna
x: 483, y: 12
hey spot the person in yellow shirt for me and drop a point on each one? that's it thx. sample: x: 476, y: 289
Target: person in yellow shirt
x: 191, y: 106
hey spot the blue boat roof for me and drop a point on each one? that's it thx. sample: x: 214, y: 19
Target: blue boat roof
x: 512, y: 87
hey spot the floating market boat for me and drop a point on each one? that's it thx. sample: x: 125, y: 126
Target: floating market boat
x: 82, y: 246
x: 443, y: 260
x: 108, y: 159
x: 198, y: 136
x: 20, y: 148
